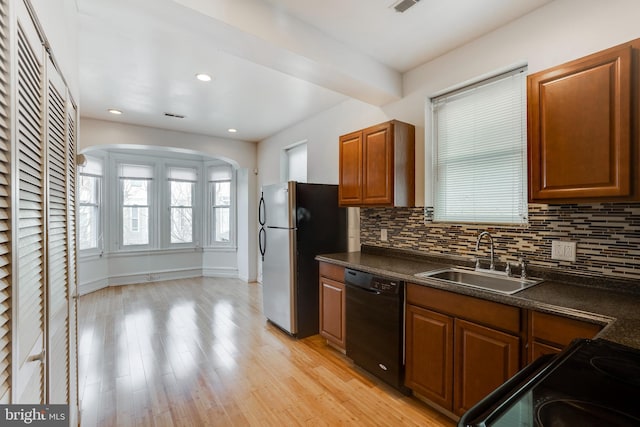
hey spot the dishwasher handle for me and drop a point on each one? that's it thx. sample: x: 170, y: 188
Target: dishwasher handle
x: 356, y: 278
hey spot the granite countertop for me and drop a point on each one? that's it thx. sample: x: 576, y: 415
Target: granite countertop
x: 617, y: 310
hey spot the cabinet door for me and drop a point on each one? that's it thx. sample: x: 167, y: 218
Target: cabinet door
x: 484, y: 359
x: 29, y: 211
x: 332, y: 311
x: 429, y: 352
x: 580, y: 129
x: 6, y: 250
x: 549, y: 334
x: 350, y: 189
x: 377, y: 165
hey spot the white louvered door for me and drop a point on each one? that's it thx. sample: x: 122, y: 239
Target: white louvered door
x: 57, y: 348
x: 72, y: 276
x: 5, y: 203
x: 29, y: 307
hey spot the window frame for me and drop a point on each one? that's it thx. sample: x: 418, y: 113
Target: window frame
x: 431, y: 155
x: 210, y: 206
x: 99, y: 206
x: 195, y: 206
x: 151, y: 200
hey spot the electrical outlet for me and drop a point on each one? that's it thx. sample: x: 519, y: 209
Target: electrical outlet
x: 383, y: 234
x: 563, y: 251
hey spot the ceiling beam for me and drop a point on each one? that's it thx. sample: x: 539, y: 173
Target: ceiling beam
x: 257, y: 32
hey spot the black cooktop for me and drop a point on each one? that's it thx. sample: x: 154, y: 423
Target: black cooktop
x: 591, y: 383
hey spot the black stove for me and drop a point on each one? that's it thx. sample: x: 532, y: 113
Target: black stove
x: 591, y: 383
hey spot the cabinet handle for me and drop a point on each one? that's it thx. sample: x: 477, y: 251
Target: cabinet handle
x: 37, y: 357
x: 331, y: 287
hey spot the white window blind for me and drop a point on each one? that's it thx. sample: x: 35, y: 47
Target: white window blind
x: 220, y: 173
x: 480, y: 152
x: 182, y: 174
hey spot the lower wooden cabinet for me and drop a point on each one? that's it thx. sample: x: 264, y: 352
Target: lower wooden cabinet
x: 332, y: 305
x: 458, y: 348
x: 429, y: 337
x: 550, y: 333
x: 484, y: 359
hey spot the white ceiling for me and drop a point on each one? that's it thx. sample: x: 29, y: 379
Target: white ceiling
x: 273, y: 62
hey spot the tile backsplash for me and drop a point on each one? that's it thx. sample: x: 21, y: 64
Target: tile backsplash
x: 607, y: 237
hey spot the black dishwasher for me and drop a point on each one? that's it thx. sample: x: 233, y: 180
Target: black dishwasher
x: 375, y: 326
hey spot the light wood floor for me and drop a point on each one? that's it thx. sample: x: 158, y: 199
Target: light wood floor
x: 199, y: 352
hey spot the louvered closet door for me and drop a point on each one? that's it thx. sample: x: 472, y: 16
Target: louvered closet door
x: 30, y: 304
x: 5, y: 198
x: 57, y: 238
x: 72, y: 305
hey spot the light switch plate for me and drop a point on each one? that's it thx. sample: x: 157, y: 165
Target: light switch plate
x: 383, y: 234
x: 563, y: 251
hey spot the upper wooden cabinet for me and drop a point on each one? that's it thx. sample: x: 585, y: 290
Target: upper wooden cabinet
x: 582, y: 119
x: 377, y: 166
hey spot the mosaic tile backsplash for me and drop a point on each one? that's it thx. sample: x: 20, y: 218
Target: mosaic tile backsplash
x: 607, y: 236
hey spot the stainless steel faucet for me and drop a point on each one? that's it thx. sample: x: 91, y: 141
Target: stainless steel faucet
x: 480, y: 236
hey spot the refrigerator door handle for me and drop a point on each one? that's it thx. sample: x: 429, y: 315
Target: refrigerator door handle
x: 262, y: 241
x: 262, y: 213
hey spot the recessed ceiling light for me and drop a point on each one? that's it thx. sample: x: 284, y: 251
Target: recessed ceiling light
x: 114, y: 111
x: 203, y: 77
x: 232, y: 130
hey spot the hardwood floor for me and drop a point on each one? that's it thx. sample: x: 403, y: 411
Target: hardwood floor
x: 199, y: 352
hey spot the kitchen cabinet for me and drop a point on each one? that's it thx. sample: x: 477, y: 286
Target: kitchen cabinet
x: 377, y: 166
x: 429, y: 337
x: 459, y: 348
x: 484, y: 359
x: 549, y: 333
x: 583, y: 133
x: 332, y: 305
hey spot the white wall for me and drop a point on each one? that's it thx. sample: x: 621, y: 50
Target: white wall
x: 558, y: 32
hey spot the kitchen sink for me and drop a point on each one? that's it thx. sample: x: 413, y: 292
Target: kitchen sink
x: 482, y: 280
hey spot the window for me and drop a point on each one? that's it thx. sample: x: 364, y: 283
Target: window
x: 89, y: 194
x: 479, y: 158
x: 220, y: 190
x: 181, y: 188
x: 297, y: 163
x: 135, y: 189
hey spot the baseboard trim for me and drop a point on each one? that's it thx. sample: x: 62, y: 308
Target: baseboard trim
x: 92, y: 286
x: 220, y: 272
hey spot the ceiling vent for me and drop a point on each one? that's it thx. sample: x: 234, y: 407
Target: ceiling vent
x: 175, y: 116
x: 403, y: 5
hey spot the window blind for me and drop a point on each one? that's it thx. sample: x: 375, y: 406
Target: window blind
x: 93, y: 167
x: 183, y: 174
x: 220, y: 173
x: 480, y: 152
x: 135, y: 171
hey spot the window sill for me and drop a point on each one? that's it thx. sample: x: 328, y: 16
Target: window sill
x: 129, y: 252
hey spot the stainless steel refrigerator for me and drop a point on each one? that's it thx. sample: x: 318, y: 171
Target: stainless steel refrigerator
x: 298, y: 221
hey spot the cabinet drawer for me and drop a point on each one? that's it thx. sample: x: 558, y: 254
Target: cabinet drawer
x: 332, y: 271
x: 559, y: 330
x: 489, y: 313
